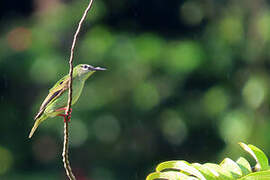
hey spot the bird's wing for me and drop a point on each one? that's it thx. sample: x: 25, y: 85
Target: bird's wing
x: 57, y: 90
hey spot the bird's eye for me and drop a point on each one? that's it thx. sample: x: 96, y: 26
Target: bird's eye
x: 85, y: 67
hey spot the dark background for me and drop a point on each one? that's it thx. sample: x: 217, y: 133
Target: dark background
x: 186, y: 80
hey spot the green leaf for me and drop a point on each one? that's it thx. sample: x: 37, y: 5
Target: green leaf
x: 226, y: 170
x: 244, y: 165
x: 180, y: 165
x: 258, y: 155
x: 212, y: 170
x: 262, y: 175
x: 171, y: 175
x: 229, y: 165
x: 207, y: 173
x: 223, y: 174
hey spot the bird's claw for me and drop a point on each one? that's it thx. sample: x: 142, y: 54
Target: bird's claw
x: 67, y: 118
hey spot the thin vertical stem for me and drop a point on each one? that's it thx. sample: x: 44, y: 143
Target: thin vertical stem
x: 68, y: 109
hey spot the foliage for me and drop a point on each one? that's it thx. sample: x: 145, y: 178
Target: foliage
x: 226, y: 170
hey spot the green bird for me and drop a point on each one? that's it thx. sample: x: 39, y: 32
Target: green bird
x: 56, y: 101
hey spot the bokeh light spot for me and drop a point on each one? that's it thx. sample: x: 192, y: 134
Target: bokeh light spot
x: 148, y: 47
x: 79, y: 133
x: 123, y: 50
x: 232, y: 30
x: 45, y: 69
x: 6, y: 160
x: 146, y: 96
x: 45, y: 6
x: 106, y: 129
x: 263, y: 25
x: 184, y: 56
x: 236, y: 126
x: 173, y: 127
x: 254, y: 92
x: 192, y: 12
x: 215, y: 100
x: 91, y: 97
x: 96, y: 43
x: 19, y: 38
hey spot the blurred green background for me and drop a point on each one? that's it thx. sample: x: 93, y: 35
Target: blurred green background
x: 186, y: 80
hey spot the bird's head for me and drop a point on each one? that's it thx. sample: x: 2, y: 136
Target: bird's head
x: 83, y: 71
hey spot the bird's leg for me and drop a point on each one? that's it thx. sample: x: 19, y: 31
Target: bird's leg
x: 66, y: 116
x: 63, y: 109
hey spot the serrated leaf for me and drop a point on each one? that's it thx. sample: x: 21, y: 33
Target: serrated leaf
x: 223, y: 174
x: 244, y: 165
x: 180, y: 165
x: 259, y: 156
x: 171, y: 175
x: 229, y: 165
x: 261, y: 175
x: 208, y: 174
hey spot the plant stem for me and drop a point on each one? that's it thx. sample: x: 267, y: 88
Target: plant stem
x: 68, y: 109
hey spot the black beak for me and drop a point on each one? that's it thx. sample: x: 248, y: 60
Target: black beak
x: 97, y: 69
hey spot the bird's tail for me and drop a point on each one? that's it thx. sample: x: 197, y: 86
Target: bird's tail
x: 37, y: 122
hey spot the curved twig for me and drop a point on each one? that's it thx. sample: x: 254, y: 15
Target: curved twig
x: 68, y: 109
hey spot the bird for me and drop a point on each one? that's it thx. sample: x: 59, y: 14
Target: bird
x: 56, y: 101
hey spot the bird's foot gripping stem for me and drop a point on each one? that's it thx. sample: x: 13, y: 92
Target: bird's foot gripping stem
x: 66, y: 116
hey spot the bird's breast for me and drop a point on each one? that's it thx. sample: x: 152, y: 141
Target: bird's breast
x: 76, y: 91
